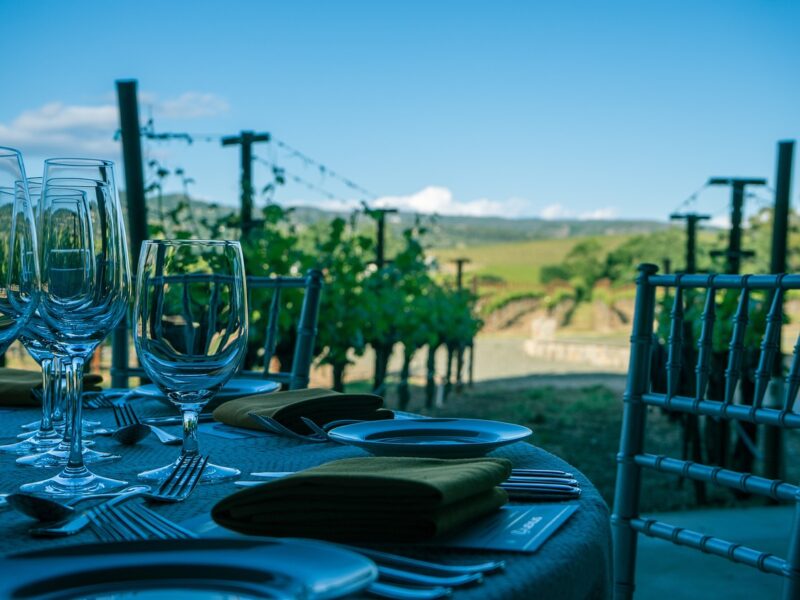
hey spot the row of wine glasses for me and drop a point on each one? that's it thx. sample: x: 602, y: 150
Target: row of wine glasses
x: 63, y: 294
x: 85, y: 291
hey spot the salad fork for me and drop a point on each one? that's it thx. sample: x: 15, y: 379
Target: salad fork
x: 183, y: 479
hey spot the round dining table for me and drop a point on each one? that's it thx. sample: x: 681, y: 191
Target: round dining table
x: 575, y: 562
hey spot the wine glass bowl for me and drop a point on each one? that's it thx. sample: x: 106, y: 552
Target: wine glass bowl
x: 191, y: 328
x: 19, y: 265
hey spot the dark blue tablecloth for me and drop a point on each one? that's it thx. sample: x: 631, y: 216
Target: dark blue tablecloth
x: 574, y: 563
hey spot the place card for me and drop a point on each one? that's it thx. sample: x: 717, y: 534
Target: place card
x: 515, y: 527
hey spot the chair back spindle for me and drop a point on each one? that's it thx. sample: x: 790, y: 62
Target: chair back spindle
x: 705, y: 343
x: 303, y: 353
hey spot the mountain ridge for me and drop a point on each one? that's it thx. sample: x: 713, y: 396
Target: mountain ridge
x: 445, y: 231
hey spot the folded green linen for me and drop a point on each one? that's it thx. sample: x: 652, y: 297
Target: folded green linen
x: 370, y: 499
x: 319, y: 405
x: 16, y: 386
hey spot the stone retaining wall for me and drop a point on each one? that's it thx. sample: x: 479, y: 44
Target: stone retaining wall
x: 605, y: 356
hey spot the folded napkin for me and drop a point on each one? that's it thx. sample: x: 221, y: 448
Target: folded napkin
x: 371, y: 499
x: 16, y: 386
x: 319, y: 405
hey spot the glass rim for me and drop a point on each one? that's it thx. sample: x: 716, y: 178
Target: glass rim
x: 62, y: 182
x: 79, y: 162
x: 191, y: 242
x: 9, y: 151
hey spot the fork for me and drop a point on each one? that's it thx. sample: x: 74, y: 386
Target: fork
x: 134, y: 521
x: 181, y: 481
x: 106, y: 399
x: 522, y: 485
x: 126, y: 416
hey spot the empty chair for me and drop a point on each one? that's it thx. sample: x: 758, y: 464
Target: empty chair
x: 306, y: 331
x: 632, y: 459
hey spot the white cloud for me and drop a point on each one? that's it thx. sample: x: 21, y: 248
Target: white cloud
x: 558, y: 211
x: 440, y: 200
x: 58, y: 128
x: 555, y: 211
x: 599, y: 214
x: 722, y: 221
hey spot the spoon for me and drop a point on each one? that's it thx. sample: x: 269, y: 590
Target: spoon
x: 46, y: 509
x: 131, y: 434
x: 163, y: 436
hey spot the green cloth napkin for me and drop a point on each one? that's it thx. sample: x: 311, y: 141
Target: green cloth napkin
x: 370, y: 499
x: 319, y: 405
x: 16, y: 386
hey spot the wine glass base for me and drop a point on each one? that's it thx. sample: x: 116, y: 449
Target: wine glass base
x: 59, y: 458
x: 28, y: 435
x: 211, y: 474
x: 33, y: 444
x: 73, y: 483
x: 88, y: 426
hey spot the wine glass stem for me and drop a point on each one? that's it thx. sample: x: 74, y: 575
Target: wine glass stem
x: 74, y: 378
x: 190, y: 443
x: 57, y: 395
x: 46, y: 426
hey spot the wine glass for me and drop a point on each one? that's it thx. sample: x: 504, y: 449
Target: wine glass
x: 85, y: 291
x: 191, y: 329
x: 39, y: 340
x: 46, y: 448
x: 19, y: 265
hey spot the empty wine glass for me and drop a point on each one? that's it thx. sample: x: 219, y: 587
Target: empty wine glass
x: 19, y: 265
x: 86, y: 289
x: 191, y: 329
x: 39, y: 340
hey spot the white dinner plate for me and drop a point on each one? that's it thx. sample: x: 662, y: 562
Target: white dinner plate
x: 235, y: 388
x: 204, y: 568
x: 434, y: 438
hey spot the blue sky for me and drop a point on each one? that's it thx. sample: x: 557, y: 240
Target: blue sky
x: 581, y: 109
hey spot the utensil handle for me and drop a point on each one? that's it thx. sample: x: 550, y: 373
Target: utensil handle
x: 397, y: 592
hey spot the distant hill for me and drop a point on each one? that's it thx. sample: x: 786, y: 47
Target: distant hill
x: 458, y: 231
x: 445, y: 231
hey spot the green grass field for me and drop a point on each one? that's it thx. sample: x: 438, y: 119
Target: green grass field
x: 517, y: 263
